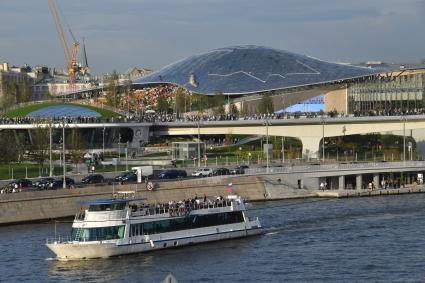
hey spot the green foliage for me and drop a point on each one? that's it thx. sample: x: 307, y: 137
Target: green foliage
x: 234, y: 110
x: 162, y: 104
x: 10, y: 90
x: 219, y: 110
x: 15, y: 92
x: 9, y: 149
x: 113, y: 99
x: 40, y: 147
x: 219, y: 102
x: 75, y: 145
x: 202, y: 102
x: 219, y: 99
x: 266, y: 104
x: 129, y: 94
x: 24, y: 92
x: 180, y: 101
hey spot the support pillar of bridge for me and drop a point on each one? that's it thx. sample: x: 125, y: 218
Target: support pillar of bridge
x: 341, y: 182
x: 140, y: 136
x: 310, y: 147
x: 359, y: 181
x: 376, y: 180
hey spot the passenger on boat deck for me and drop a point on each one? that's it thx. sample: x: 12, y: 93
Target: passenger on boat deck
x: 205, y: 198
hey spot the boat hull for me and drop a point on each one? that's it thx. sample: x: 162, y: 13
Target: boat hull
x: 88, y: 250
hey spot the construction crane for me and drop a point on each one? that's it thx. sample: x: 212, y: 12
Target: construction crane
x: 70, y: 56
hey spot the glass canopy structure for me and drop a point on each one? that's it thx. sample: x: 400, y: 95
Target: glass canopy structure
x: 251, y: 69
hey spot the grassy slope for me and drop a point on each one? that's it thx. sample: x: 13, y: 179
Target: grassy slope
x: 21, y: 112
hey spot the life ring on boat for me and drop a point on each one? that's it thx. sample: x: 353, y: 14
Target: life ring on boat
x: 149, y: 186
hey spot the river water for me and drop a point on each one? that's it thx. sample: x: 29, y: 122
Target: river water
x: 378, y: 239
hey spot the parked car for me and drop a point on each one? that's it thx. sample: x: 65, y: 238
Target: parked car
x: 43, y: 183
x: 239, y: 169
x: 57, y: 183
x: 221, y: 171
x: 93, y: 179
x: 203, y: 172
x: 172, y: 174
x: 22, y: 183
x: 127, y: 177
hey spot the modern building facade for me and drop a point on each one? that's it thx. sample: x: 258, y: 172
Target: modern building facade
x: 402, y: 90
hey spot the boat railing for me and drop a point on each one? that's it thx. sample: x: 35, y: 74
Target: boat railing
x: 106, y: 215
x: 80, y: 215
x: 178, y: 208
x: 58, y: 239
x: 66, y: 239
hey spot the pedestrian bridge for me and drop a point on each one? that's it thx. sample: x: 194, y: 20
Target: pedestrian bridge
x: 309, y: 130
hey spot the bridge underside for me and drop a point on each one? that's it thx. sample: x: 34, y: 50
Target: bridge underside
x: 309, y: 134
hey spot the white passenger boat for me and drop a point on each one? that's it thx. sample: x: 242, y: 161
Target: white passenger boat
x: 112, y: 227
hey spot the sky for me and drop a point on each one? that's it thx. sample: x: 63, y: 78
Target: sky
x: 121, y: 34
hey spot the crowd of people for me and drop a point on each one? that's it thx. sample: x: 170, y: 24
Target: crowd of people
x: 148, y: 96
x: 183, y: 206
x: 203, y: 117
x: 152, y: 116
x: 389, y: 112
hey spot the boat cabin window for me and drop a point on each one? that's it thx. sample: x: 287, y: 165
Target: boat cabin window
x: 107, y: 206
x: 98, y: 234
x: 183, y: 223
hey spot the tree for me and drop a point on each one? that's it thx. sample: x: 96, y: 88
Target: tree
x: 26, y: 92
x: 234, y: 110
x: 128, y: 95
x: 218, y: 102
x: 180, y: 101
x: 266, y: 105
x: 9, y: 149
x: 219, y: 110
x: 10, y: 94
x: 76, y: 145
x: 202, y: 102
x: 112, y: 96
x: 40, y: 146
x: 219, y: 99
x: 162, y: 104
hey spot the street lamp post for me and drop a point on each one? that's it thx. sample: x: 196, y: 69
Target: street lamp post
x: 323, y: 140
x: 119, y: 146
x: 63, y: 158
x: 404, y: 137
x: 199, y: 142
x: 126, y: 157
x: 50, y: 152
x: 267, y: 145
x: 103, y: 141
x: 283, y: 150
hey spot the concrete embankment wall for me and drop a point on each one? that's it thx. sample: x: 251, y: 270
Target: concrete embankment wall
x: 34, y: 206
